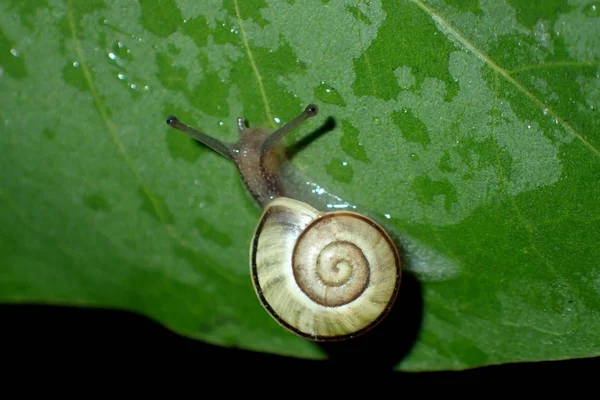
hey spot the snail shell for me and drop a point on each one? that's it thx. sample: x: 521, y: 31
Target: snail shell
x: 324, y: 276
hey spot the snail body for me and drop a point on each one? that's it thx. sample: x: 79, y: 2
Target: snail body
x: 322, y: 275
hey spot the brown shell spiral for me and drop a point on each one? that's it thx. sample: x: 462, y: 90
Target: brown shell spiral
x: 323, y: 275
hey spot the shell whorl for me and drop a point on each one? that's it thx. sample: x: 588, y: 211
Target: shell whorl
x: 324, y: 276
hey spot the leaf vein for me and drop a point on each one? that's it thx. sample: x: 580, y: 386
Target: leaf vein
x: 528, y: 225
x: 112, y: 130
x: 504, y: 73
x: 263, y: 93
x: 555, y: 64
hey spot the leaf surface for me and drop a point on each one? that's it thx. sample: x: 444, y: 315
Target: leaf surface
x: 469, y: 129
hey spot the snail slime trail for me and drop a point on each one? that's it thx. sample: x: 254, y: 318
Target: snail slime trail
x: 323, y: 275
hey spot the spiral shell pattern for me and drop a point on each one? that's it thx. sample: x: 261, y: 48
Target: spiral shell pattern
x: 323, y: 275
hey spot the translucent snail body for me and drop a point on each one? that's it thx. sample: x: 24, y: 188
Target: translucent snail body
x: 322, y: 275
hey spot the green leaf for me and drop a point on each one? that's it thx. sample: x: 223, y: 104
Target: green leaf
x: 470, y: 129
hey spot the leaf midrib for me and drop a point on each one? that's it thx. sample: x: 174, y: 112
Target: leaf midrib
x: 112, y: 130
x: 449, y: 29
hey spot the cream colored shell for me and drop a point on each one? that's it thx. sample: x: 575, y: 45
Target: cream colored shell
x: 324, y: 276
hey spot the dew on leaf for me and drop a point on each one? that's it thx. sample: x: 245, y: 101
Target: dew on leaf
x: 340, y: 170
x: 73, y: 75
x: 329, y: 94
x: 592, y: 10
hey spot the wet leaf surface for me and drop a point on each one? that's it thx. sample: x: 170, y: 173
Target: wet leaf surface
x: 470, y: 130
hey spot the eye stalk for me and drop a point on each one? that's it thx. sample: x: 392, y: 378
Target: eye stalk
x: 310, y: 111
x: 254, y: 154
x: 220, y: 147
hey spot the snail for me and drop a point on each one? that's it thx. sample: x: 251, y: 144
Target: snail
x: 323, y: 275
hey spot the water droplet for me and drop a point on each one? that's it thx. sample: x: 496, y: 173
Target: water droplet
x: 528, y: 126
x: 221, y: 123
x: 120, y: 44
x: 14, y: 52
x: 377, y: 121
x: 545, y: 112
x: 133, y: 86
x: 121, y: 76
x: 328, y: 94
x: 185, y: 21
x: 277, y: 120
x: 146, y: 87
x: 76, y: 64
x: 592, y: 10
x: 112, y: 56
x: 340, y: 170
x: 388, y: 216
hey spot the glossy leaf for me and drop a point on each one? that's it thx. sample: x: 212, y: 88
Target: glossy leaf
x: 470, y: 129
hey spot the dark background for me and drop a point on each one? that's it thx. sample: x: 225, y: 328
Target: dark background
x: 86, y: 338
